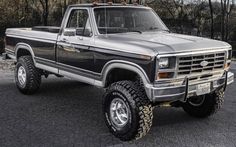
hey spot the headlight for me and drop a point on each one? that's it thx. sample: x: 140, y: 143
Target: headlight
x: 229, y: 55
x: 228, y: 59
x: 163, y: 63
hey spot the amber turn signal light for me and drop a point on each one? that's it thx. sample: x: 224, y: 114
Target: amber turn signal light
x: 163, y: 75
x: 227, y: 66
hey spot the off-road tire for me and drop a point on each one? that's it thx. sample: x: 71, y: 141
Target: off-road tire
x: 33, y: 76
x: 141, y: 110
x: 212, y: 103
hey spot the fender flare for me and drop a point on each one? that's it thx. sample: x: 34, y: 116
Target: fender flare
x: 124, y: 65
x: 25, y: 47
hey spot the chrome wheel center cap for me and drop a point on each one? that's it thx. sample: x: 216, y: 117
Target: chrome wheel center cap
x: 119, y: 112
x: 21, y: 75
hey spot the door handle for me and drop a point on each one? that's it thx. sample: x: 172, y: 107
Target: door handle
x: 64, y: 40
x: 80, y: 38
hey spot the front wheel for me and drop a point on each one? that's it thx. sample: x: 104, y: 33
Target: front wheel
x: 206, y: 105
x: 127, y: 110
x: 27, y: 76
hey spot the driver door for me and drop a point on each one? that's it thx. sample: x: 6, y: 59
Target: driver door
x: 74, y: 54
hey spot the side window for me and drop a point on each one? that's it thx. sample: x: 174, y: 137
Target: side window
x: 79, y: 20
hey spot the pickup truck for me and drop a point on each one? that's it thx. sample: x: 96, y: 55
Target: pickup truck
x: 128, y: 51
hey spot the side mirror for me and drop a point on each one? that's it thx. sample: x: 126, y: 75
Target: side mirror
x: 84, y: 32
x: 88, y: 32
x: 69, y: 32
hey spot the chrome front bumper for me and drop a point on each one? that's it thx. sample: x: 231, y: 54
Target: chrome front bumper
x: 187, y: 89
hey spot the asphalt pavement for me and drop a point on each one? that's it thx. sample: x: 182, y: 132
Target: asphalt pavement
x: 66, y: 113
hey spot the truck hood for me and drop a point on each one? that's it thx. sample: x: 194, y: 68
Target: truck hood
x: 158, y: 43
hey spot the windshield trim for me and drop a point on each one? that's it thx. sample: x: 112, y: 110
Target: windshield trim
x: 139, y: 7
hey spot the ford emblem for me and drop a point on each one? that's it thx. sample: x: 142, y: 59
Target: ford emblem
x: 204, y: 63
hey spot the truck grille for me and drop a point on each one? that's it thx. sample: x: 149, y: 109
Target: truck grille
x: 191, y: 64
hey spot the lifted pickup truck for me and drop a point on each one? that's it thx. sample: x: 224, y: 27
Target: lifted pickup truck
x: 127, y: 50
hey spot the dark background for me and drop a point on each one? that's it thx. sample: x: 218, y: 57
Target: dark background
x: 206, y: 18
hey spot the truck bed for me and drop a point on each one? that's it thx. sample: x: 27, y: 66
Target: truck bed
x: 38, y: 32
x: 42, y: 40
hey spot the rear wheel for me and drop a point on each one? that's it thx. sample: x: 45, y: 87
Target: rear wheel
x: 27, y: 76
x: 128, y: 112
x: 206, y: 105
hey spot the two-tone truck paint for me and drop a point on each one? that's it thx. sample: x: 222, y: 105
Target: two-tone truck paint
x: 127, y: 50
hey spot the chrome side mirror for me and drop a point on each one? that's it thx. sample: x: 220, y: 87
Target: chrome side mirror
x: 84, y: 32
x: 69, y: 32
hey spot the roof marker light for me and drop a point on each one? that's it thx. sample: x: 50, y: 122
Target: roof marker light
x: 135, y: 3
x: 110, y: 2
x: 95, y: 2
x: 123, y: 2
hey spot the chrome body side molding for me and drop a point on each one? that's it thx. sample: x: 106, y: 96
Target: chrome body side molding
x: 76, y: 77
x: 47, y: 68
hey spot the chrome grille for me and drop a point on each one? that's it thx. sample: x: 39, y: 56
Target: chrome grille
x: 191, y: 64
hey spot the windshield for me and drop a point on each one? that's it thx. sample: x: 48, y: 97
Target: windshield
x: 123, y: 20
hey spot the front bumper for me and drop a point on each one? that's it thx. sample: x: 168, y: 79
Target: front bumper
x: 180, y: 92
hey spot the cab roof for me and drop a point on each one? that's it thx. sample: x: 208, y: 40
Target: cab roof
x: 105, y: 4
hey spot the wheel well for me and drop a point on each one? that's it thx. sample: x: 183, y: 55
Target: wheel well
x: 22, y: 52
x: 118, y: 74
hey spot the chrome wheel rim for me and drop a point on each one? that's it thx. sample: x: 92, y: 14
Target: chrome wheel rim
x: 197, y: 101
x: 119, y: 112
x: 21, y: 75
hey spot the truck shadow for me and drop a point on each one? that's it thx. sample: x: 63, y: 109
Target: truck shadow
x: 83, y: 93
x: 69, y: 113
x: 81, y: 106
